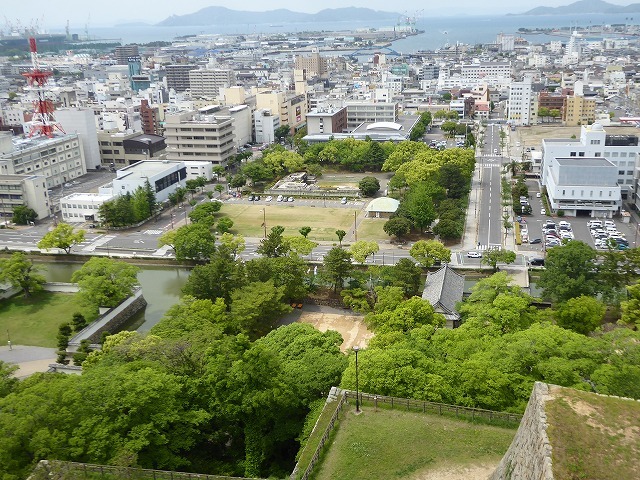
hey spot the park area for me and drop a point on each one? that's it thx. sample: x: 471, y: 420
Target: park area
x: 35, y: 320
x: 396, y: 444
x: 248, y: 220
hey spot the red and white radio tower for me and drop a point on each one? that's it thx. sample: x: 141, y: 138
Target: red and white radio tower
x: 43, y: 122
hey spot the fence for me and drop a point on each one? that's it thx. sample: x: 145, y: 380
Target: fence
x: 324, y: 438
x: 85, y: 471
x: 433, y: 407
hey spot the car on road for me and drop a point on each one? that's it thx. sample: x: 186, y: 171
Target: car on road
x: 543, y: 212
x: 474, y: 254
x: 344, y: 200
x: 92, y: 225
x: 535, y: 241
x: 538, y: 194
x: 67, y: 185
x: 537, y: 262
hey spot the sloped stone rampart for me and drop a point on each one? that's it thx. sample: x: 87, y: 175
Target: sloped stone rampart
x: 529, y: 456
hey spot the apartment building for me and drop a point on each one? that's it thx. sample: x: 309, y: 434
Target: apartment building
x: 579, y: 110
x: 292, y: 109
x: 265, y: 126
x: 124, y: 52
x: 178, y: 76
x: 207, y: 83
x: 149, y: 116
x: 314, y: 64
x: 359, y: 112
x: 522, y: 105
x: 201, y: 136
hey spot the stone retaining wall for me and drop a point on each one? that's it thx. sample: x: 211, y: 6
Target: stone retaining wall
x: 110, y: 322
x: 529, y: 456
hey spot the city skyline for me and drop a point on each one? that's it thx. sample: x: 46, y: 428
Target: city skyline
x: 80, y: 13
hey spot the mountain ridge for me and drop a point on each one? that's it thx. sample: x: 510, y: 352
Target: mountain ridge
x: 221, y: 15
x: 584, y: 6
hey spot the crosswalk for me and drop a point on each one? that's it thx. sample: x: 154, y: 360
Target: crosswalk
x: 482, y: 247
x: 152, y: 232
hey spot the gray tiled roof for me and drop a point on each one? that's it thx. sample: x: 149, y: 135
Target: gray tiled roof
x: 444, y: 289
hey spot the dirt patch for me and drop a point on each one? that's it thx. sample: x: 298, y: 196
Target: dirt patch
x: 351, y: 327
x: 469, y: 472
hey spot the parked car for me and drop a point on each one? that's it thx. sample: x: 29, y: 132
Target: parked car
x: 537, y: 262
x: 344, y: 200
x: 268, y: 199
x: 474, y: 254
x: 564, y: 224
x: 279, y: 199
x: 291, y: 199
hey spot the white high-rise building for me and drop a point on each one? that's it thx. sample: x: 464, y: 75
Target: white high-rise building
x: 523, y: 103
x: 81, y: 121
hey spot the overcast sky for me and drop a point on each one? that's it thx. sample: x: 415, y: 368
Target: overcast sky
x: 52, y: 13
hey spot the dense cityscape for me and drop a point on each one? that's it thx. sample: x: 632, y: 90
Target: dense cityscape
x: 213, y: 244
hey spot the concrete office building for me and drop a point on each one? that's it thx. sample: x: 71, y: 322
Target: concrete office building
x: 200, y: 136
x: 327, y: 120
x: 522, y: 103
x: 119, y: 149
x: 149, y: 117
x: 315, y: 65
x: 83, y: 207
x: 164, y: 176
x: 27, y: 190
x: 359, y: 112
x: 583, y: 186
x: 292, y: 109
x: 124, y: 52
x: 266, y: 125
x: 81, y: 121
x: 59, y: 159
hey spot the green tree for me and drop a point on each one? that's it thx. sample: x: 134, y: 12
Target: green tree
x: 62, y: 237
x: 193, y: 242
x: 419, y: 206
x: 282, y: 132
x: 405, y: 274
x: 78, y: 321
x: 289, y: 271
x: 256, y: 306
x: 7, y: 378
x: 205, y: 212
x: 362, y: 249
x: 23, y: 215
x: 580, y: 314
x: 369, y: 186
x: 300, y: 245
x: 224, y: 225
x: 237, y: 181
x: 494, y: 256
x: 569, y: 272
x: 340, y: 234
x: 234, y: 243
x: 274, y: 245
x: 304, y: 231
x: 216, y: 279
x: 105, y: 282
x: 454, y: 180
x: 397, y: 227
x: 219, y: 188
x: 428, y: 252
x: 205, y: 317
x: 337, y: 266
x: 448, y: 229
x: 20, y: 272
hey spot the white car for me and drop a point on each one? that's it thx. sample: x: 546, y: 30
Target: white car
x: 564, y: 224
x: 474, y: 255
x: 268, y: 199
x: 567, y: 235
x: 538, y: 195
x: 279, y: 199
x: 543, y: 212
x: 344, y: 200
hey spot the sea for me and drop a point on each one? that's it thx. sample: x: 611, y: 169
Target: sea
x: 438, y: 31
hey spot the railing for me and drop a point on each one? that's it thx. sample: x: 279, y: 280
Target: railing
x: 81, y: 471
x: 324, y: 438
x: 433, y: 407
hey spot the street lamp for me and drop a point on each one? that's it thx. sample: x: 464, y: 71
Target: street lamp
x: 264, y: 221
x: 356, y: 349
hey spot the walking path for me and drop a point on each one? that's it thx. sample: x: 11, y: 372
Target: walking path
x: 29, y: 359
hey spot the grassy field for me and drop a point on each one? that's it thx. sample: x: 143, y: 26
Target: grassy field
x: 35, y: 320
x: 593, y: 436
x: 247, y: 220
x: 371, y: 229
x: 395, y: 444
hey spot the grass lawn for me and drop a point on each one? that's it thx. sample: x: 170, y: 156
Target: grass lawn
x: 35, y: 320
x: 316, y: 436
x: 247, y: 220
x: 371, y: 229
x: 390, y: 444
x: 593, y: 436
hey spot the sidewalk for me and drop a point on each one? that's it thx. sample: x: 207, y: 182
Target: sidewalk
x: 29, y: 359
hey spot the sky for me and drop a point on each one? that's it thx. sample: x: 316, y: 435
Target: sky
x: 54, y: 14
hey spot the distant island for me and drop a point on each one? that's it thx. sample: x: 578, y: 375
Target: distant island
x: 584, y: 6
x: 222, y: 16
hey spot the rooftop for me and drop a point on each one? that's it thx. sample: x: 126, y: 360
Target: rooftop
x: 584, y: 162
x: 147, y: 168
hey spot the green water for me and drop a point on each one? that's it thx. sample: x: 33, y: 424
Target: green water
x: 161, y: 287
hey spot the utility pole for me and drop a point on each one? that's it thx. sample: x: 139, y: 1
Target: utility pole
x: 355, y: 225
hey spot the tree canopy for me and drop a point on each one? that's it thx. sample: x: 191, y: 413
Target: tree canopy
x: 105, y: 282
x: 63, y: 237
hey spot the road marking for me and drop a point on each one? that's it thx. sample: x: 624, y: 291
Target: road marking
x: 152, y: 232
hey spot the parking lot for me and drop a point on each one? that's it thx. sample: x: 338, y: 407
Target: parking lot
x: 581, y: 231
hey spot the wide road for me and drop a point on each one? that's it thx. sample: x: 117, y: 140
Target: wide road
x: 489, y: 232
